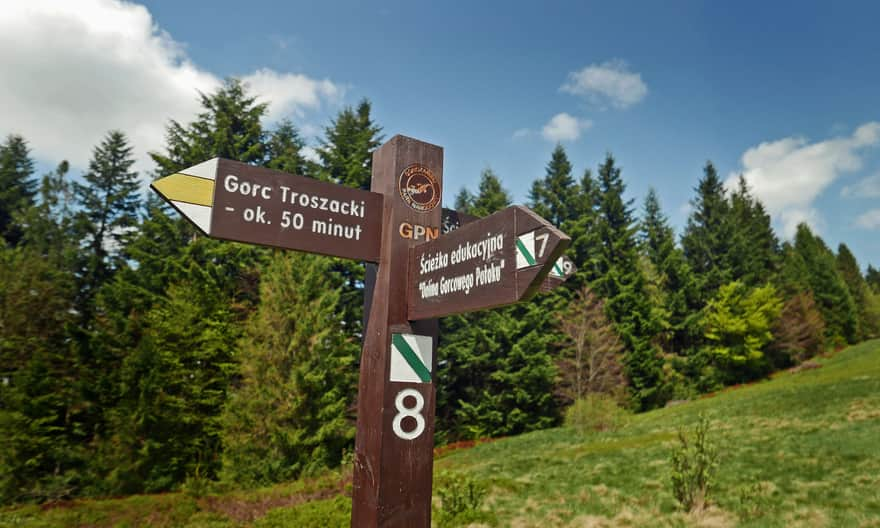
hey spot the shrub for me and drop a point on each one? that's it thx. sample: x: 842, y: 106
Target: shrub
x: 737, y: 326
x: 461, y: 497
x: 693, y: 467
x: 329, y: 513
x: 595, y: 412
x: 755, y: 499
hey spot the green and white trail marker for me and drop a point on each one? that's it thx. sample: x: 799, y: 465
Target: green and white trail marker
x: 411, y: 357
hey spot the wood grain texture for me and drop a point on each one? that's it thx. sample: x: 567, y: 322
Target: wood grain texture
x: 393, y: 476
x: 229, y: 223
x: 475, y: 266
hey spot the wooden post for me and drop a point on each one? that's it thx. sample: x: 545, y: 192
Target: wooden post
x: 396, y: 394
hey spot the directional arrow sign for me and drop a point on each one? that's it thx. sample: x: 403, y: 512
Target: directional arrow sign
x: 235, y: 201
x: 559, y: 273
x: 494, y: 261
x: 450, y: 220
x: 562, y: 269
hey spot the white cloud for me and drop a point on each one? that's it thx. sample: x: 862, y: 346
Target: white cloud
x: 289, y: 93
x: 866, y: 188
x: 686, y: 209
x: 610, y: 81
x: 790, y: 218
x: 564, y: 127
x: 74, y: 70
x: 869, y: 220
x: 311, y: 154
x: 521, y: 133
x: 790, y: 173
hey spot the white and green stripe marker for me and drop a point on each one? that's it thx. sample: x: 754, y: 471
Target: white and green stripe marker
x: 556, y: 270
x: 525, y: 250
x: 525, y: 254
x: 411, y: 358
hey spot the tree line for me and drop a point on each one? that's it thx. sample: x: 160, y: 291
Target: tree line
x: 137, y: 355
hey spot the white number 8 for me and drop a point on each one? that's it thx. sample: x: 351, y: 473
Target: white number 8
x: 414, y: 412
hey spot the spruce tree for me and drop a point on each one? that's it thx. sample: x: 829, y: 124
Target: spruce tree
x: 860, y: 292
x: 110, y: 202
x: 656, y: 236
x: 347, y: 147
x: 829, y: 289
x: 552, y: 197
x: 464, y: 200
x: 214, y: 286
x: 492, y: 197
x: 872, y: 277
x: 496, y: 369
x: 17, y: 188
x: 505, y: 386
x: 346, y: 154
x: 793, y: 276
x: 284, y: 150
x: 671, y: 276
x: 754, y: 253
x: 470, y: 344
x: 621, y: 283
x: 571, y: 206
x: 165, y: 425
x: 50, y: 223
x: 708, y: 237
x: 583, y: 231
x: 291, y: 410
x: 42, y: 445
x: 228, y: 127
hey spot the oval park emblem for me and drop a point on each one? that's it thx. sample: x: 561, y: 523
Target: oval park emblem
x: 418, y: 188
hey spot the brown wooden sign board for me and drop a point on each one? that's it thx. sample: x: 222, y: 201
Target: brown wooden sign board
x: 452, y: 220
x: 399, y: 226
x: 559, y: 273
x: 495, y: 261
x: 561, y: 270
x: 235, y: 201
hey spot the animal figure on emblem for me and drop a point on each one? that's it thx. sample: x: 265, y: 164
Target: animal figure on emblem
x: 418, y: 188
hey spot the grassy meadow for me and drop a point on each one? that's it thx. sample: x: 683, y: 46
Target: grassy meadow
x: 801, y: 449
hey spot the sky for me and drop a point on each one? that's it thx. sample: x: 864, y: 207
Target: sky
x: 786, y: 93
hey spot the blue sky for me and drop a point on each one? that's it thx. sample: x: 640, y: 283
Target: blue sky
x: 784, y: 92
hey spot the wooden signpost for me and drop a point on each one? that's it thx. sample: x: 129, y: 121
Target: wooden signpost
x: 494, y: 261
x: 562, y: 269
x: 235, y: 201
x: 423, y: 263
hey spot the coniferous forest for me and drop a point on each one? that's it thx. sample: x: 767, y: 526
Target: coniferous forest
x: 137, y: 355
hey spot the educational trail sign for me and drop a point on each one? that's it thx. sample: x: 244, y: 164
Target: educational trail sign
x: 494, y: 261
x: 431, y: 262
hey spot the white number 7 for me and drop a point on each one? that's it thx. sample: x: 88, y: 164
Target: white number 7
x: 543, y: 238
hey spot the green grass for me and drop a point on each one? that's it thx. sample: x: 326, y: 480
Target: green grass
x: 802, y: 449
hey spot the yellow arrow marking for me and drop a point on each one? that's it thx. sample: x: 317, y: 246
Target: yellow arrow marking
x: 184, y: 188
